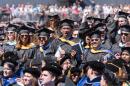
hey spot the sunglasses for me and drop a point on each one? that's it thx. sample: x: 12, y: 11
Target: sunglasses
x: 94, y: 39
x: 125, y: 34
x: 24, y: 35
x: 43, y: 38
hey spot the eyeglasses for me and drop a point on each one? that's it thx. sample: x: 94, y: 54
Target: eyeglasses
x: 43, y: 38
x: 125, y: 34
x: 24, y: 35
x: 94, y: 39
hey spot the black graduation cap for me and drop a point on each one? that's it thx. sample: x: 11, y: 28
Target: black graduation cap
x: 25, y: 29
x: 100, y: 27
x: 11, y: 27
x: 125, y: 28
x: 96, y: 19
x: 53, y: 68
x: 96, y: 66
x: 67, y: 56
x: 53, y: 16
x: 67, y: 22
x: 44, y: 32
x: 123, y: 14
x: 33, y: 71
x: 125, y: 49
x: 96, y: 34
x: 115, y: 65
x: 84, y: 33
x: 75, y: 70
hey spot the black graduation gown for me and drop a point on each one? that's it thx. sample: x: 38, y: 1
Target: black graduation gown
x: 25, y: 56
x: 100, y: 56
x: 40, y: 56
x: 56, y: 43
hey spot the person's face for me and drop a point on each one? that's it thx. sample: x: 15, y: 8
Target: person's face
x: 24, y: 38
x: 122, y: 21
x: 27, y: 79
x: 46, y: 77
x: 11, y: 35
x: 75, y: 77
x: 65, y: 30
x: 125, y: 36
x: 75, y: 33
x: 125, y: 56
x: 103, y: 81
x: 7, y: 72
x: 89, y: 71
x: 95, y: 42
x: 42, y: 40
x: 87, y: 39
x: 66, y: 64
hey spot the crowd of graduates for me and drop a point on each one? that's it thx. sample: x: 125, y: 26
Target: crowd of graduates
x: 88, y: 49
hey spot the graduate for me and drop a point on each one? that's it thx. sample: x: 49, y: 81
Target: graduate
x: 42, y: 45
x: 65, y: 39
x: 10, y: 40
x: 97, y: 52
x: 24, y: 47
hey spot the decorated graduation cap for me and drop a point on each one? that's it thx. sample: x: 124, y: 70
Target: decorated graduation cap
x: 123, y: 14
x: 54, y: 68
x: 125, y: 28
x: 25, y: 29
x: 96, y: 66
x: 44, y: 32
x: 33, y: 71
x: 67, y: 23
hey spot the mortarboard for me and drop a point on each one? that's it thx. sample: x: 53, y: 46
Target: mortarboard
x: 123, y: 14
x: 125, y: 28
x: 96, y: 66
x: 96, y: 19
x: 53, y: 16
x: 67, y: 22
x: 53, y: 68
x: 100, y: 27
x: 33, y: 71
x: 25, y: 29
x: 44, y: 32
x: 75, y: 70
x: 11, y: 27
x: 115, y: 65
x: 95, y: 34
x: 126, y: 49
